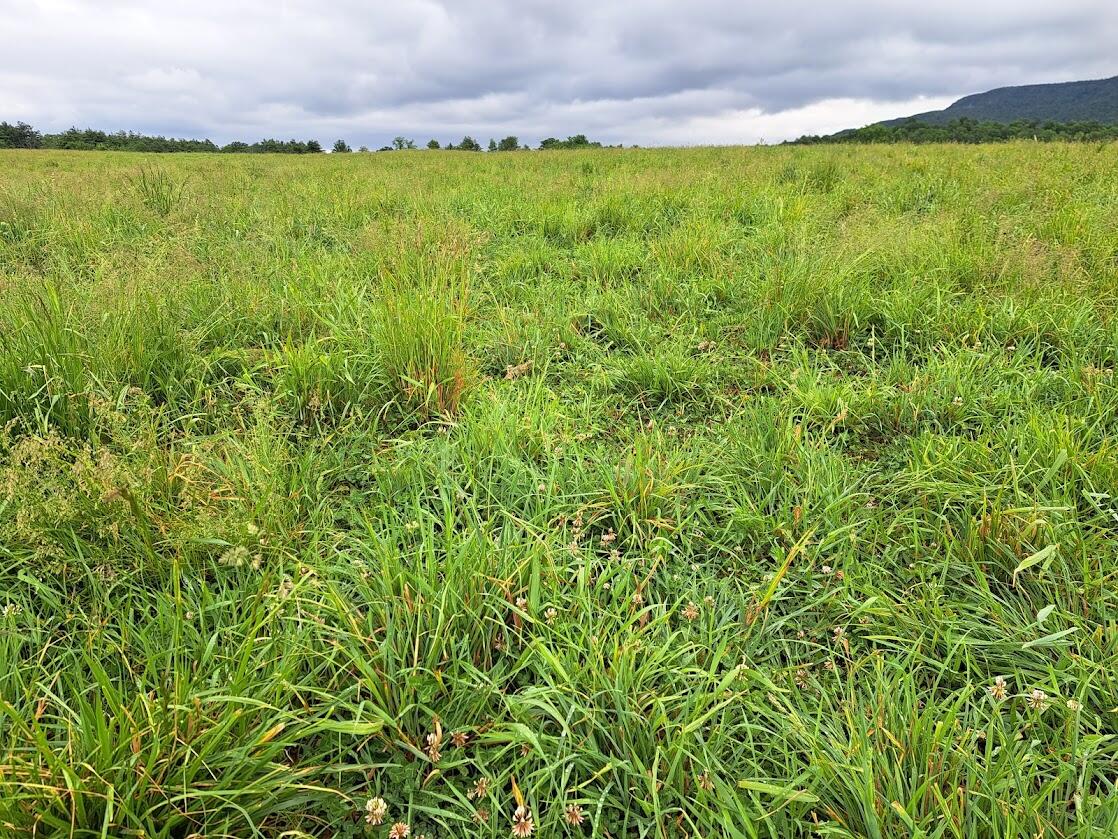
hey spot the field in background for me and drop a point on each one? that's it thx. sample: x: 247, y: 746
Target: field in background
x: 735, y: 492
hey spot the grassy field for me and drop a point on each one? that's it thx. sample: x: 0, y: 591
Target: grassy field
x: 759, y: 492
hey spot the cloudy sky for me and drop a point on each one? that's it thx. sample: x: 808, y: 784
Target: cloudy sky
x: 630, y: 71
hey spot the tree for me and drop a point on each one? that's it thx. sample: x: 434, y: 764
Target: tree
x: 363, y: 149
x: 402, y: 143
x: 432, y: 144
x: 492, y: 144
x: 510, y: 143
x: 19, y: 136
x: 314, y: 147
x: 341, y: 146
x: 469, y: 144
x: 968, y: 130
x: 578, y: 141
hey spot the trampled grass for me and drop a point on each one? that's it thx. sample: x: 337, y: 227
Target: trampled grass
x: 735, y: 492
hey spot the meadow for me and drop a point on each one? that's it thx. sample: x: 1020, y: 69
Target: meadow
x: 742, y: 492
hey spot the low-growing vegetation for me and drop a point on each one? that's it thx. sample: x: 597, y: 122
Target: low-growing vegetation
x: 762, y: 492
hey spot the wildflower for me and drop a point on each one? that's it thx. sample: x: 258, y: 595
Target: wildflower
x: 705, y: 782
x: 801, y: 678
x: 708, y: 601
x: 459, y: 739
x: 691, y: 611
x: 522, y: 825
x: 608, y: 536
x: 550, y: 614
x: 481, y: 816
x: 525, y: 749
x: 235, y: 557
x: 638, y: 599
x: 997, y: 690
x: 434, y: 741
x: 1038, y: 700
x: 958, y: 400
x: 481, y: 787
x: 1074, y: 705
x: 400, y: 830
x: 375, y: 810
x: 826, y: 569
x: 574, y: 815
x: 522, y: 603
x: 542, y: 488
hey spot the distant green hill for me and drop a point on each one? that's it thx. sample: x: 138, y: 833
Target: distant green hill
x: 1069, y: 111
x: 1087, y: 101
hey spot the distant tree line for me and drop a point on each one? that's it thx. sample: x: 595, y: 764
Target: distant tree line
x: 266, y: 147
x: 578, y: 141
x: 512, y: 143
x: 22, y: 136
x: 967, y: 130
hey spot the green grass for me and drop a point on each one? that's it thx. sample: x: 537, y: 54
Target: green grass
x: 708, y: 491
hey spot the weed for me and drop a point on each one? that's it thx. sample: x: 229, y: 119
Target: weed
x: 157, y: 189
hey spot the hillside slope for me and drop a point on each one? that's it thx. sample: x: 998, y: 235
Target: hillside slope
x: 1084, y: 101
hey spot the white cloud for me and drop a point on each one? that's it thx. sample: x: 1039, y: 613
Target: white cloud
x: 754, y: 126
x: 166, y: 79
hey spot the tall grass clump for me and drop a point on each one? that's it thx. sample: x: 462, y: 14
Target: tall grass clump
x: 158, y: 190
x: 419, y: 341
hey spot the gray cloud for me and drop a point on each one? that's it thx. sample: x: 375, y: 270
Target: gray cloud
x: 649, y: 72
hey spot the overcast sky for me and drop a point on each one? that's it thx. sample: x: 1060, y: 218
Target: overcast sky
x: 630, y: 71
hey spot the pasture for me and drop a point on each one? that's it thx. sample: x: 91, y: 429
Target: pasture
x: 742, y: 492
